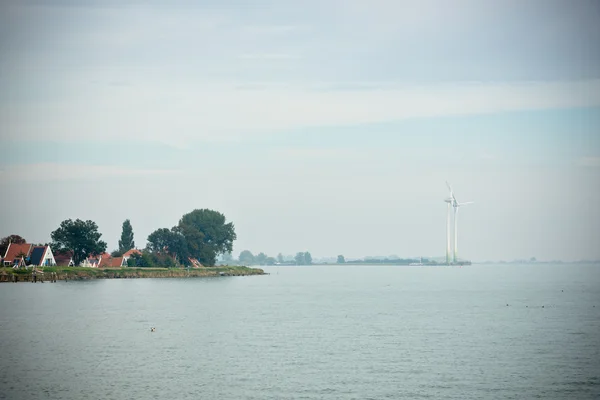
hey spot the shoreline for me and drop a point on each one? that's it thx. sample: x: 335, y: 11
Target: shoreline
x: 50, y: 274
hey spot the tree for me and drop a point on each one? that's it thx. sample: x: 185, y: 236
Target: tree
x: 140, y: 260
x: 170, y: 242
x: 126, y: 243
x: 270, y: 261
x: 16, y: 239
x: 207, y: 235
x: 307, y: 258
x: 147, y: 259
x: 280, y: 258
x: 341, y: 259
x: 160, y: 240
x: 80, y: 237
x: 261, y: 258
x: 246, y: 257
x: 227, y: 257
x: 299, y: 258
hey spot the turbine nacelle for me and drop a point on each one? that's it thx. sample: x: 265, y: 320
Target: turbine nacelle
x: 452, y: 199
x: 456, y: 205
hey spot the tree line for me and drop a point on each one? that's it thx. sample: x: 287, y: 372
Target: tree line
x: 201, y: 235
x: 247, y: 258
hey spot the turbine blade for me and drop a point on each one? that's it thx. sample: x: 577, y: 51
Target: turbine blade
x: 466, y: 202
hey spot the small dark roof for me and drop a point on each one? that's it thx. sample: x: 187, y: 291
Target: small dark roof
x: 36, y: 255
x: 63, y: 258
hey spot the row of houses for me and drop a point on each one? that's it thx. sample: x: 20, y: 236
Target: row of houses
x: 25, y: 255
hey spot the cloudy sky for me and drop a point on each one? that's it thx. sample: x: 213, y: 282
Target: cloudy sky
x: 328, y: 126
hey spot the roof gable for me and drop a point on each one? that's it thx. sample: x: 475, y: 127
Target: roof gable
x: 104, y: 260
x: 63, y: 258
x: 37, y: 254
x: 131, y: 252
x: 14, y: 249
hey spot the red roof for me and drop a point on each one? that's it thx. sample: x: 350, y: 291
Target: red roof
x: 63, y: 258
x: 116, y: 262
x: 108, y: 261
x: 104, y: 260
x: 13, y: 251
x: 129, y: 253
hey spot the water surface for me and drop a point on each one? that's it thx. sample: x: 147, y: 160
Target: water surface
x: 320, y: 332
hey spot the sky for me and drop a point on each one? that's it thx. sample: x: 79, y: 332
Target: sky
x: 324, y: 126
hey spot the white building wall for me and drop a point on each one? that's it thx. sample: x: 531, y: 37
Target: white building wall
x: 48, y: 258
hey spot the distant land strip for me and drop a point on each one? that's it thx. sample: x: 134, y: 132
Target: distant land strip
x: 49, y: 274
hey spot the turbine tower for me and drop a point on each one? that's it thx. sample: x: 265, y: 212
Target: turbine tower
x: 448, y: 237
x: 456, y: 205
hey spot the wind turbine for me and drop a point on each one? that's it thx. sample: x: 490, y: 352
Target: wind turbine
x: 456, y: 205
x: 449, y: 200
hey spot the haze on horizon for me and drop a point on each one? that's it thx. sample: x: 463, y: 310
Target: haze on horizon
x: 327, y: 127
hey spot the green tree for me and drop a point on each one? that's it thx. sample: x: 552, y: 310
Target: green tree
x: 207, y: 234
x: 148, y: 259
x: 307, y: 258
x: 126, y: 243
x: 169, y: 242
x: 80, y: 237
x: 261, y: 258
x: 16, y: 239
x: 246, y: 257
x: 341, y: 259
x: 160, y: 240
x: 280, y: 258
x: 300, y: 258
x: 143, y: 260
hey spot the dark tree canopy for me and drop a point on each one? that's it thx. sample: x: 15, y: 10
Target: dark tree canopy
x: 147, y: 259
x: 207, y: 235
x: 341, y: 259
x: 9, y: 239
x: 169, y: 242
x: 80, y: 237
x: 126, y: 242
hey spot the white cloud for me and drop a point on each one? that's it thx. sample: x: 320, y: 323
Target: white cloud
x: 60, y: 172
x: 268, y: 56
x: 176, y: 113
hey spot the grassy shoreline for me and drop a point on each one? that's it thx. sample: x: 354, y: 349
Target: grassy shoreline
x: 83, y: 273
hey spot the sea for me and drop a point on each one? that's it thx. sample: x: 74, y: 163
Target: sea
x: 309, y: 332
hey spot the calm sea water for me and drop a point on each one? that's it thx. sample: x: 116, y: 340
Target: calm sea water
x: 356, y: 332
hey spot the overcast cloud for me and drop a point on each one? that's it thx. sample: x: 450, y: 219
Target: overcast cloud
x: 327, y: 126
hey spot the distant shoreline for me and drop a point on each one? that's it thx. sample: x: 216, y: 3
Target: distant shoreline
x: 8, y: 274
